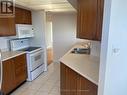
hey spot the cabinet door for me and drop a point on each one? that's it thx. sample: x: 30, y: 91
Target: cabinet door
x: 22, y: 16
x: 7, y: 27
x: 74, y: 84
x: 89, y: 19
x: 100, y: 20
x: 20, y: 69
x: 28, y: 18
x: 8, y: 76
x: 68, y: 81
x: 19, y: 19
x: 85, y: 87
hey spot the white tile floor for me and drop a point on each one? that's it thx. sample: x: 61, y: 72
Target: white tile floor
x: 46, y: 84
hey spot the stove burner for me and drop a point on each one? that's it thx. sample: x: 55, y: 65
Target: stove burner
x: 29, y: 49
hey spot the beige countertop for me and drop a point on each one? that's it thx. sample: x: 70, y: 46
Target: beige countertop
x: 11, y: 54
x: 85, y: 65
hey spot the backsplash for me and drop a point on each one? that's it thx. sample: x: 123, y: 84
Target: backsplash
x: 4, y: 43
x: 94, y: 45
x: 95, y: 48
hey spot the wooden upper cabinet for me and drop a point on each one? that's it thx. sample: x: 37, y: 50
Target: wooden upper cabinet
x: 22, y: 16
x: 89, y: 19
x: 7, y: 27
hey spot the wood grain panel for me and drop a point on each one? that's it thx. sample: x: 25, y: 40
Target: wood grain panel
x: 89, y: 19
x: 23, y: 16
x: 100, y: 19
x: 8, y: 76
x: 50, y: 55
x: 7, y: 27
x: 68, y: 81
x: 14, y: 73
x: 20, y: 69
x: 73, y: 83
x: 85, y: 87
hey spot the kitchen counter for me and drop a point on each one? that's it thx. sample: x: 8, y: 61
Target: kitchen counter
x: 11, y: 54
x: 85, y: 65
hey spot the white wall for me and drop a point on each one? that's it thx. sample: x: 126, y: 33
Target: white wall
x: 49, y: 39
x: 95, y: 48
x: 48, y: 33
x: 39, y: 23
x: 4, y: 43
x: 113, y: 69
x: 64, y: 33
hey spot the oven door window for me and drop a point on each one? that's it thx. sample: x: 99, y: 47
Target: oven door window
x: 36, y: 59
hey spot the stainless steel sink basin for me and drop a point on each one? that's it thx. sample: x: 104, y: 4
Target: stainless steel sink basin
x: 81, y: 51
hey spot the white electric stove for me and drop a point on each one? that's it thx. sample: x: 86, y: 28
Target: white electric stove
x: 35, y: 57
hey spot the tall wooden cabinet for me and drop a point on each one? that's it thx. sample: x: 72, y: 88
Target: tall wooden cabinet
x: 73, y: 83
x: 14, y: 73
x: 89, y: 19
x: 7, y: 27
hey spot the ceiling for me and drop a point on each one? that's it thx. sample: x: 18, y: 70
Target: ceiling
x: 47, y: 5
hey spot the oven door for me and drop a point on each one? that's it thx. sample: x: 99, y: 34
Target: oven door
x: 36, y: 59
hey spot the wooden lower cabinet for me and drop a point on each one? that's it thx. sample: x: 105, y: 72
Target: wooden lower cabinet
x: 14, y: 73
x: 8, y: 76
x: 85, y: 87
x: 68, y: 81
x: 20, y: 69
x: 74, y: 84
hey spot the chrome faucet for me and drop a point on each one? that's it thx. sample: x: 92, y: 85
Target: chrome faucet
x: 87, y: 46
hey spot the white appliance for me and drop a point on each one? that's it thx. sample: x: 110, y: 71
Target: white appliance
x: 24, y: 31
x: 35, y: 57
